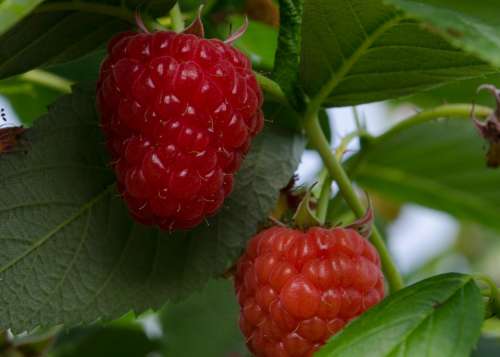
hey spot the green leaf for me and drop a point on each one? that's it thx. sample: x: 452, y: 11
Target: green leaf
x: 357, y: 51
x: 61, y: 31
x: 83, y: 69
x: 205, y: 324
x: 440, y: 317
x: 124, y: 340
x: 287, y: 57
x: 455, y: 92
x: 258, y: 43
x: 472, y: 26
x: 11, y: 11
x: 61, y: 214
x: 45, y: 39
x: 440, y: 164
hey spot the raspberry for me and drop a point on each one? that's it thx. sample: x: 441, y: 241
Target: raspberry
x: 296, y: 289
x: 179, y: 113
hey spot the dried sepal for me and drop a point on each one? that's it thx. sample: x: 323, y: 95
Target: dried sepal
x: 490, y: 128
x: 196, y: 28
x: 10, y: 138
x: 238, y: 34
x: 364, y: 224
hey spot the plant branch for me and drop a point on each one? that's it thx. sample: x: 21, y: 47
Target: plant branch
x: 272, y: 89
x: 177, y: 19
x: 324, y: 199
x: 48, y: 80
x: 336, y: 171
x: 95, y: 8
x: 458, y: 111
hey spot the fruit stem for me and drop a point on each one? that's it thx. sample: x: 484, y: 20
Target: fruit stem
x: 177, y: 19
x: 336, y: 171
x: 272, y: 89
x: 95, y: 8
x: 324, y: 199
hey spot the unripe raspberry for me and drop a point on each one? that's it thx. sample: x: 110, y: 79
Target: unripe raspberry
x: 296, y: 289
x: 179, y: 113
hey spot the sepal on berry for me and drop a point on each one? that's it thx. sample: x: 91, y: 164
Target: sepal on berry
x: 196, y: 27
x: 364, y: 224
x: 304, y: 216
x: 235, y: 36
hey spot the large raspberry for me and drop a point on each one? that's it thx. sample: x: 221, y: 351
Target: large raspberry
x: 296, y: 289
x: 179, y: 112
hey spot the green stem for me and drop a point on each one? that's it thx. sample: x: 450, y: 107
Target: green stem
x: 271, y: 88
x: 177, y: 19
x: 318, y: 140
x: 95, y: 8
x: 48, y: 80
x: 324, y: 199
x: 357, y: 118
x: 451, y: 111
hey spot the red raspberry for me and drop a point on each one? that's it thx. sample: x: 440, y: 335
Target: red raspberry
x: 296, y: 289
x: 179, y: 112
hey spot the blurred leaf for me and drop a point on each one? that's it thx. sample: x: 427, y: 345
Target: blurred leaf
x: 440, y: 164
x: 475, y: 27
x: 29, y: 100
x: 441, y: 316
x: 11, y: 11
x: 491, y: 327
x: 286, y: 70
x: 124, y: 340
x: 446, y: 262
x: 60, y: 212
x: 29, y: 345
x: 264, y: 11
x: 205, y: 324
x: 50, y: 36
x: 487, y: 347
x: 357, y: 51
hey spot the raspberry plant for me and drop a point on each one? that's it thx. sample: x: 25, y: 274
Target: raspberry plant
x: 135, y: 193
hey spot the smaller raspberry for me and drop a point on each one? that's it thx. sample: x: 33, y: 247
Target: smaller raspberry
x: 296, y: 289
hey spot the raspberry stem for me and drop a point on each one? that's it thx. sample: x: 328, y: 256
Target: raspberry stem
x: 272, y: 89
x: 336, y: 171
x: 452, y: 111
x: 324, y: 199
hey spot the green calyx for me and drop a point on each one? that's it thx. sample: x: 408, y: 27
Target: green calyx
x: 304, y: 217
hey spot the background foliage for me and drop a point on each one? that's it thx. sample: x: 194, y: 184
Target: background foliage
x: 70, y: 255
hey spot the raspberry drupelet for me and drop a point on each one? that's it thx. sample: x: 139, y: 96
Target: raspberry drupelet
x: 179, y: 113
x: 296, y: 289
